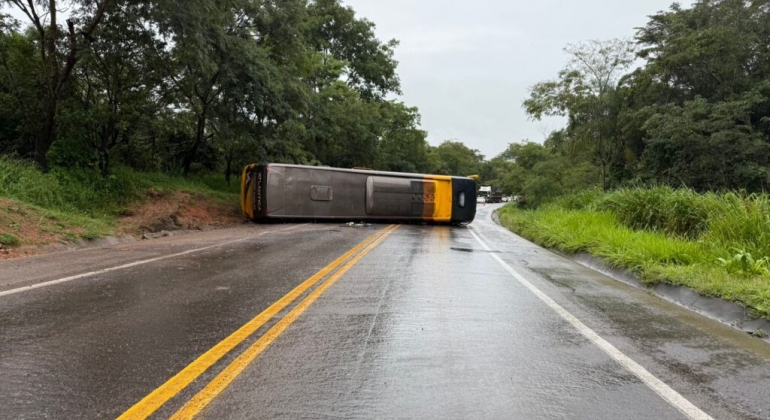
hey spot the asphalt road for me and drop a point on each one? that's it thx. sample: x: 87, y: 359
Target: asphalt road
x: 413, y: 321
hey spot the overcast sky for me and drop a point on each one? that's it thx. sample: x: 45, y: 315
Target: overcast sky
x: 467, y: 65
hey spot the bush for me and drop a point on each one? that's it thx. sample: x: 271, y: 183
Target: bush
x: 6, y: 239
x: 744, y: 264
x: 680, y: 212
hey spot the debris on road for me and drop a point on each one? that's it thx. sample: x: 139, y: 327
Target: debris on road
x: 157, y: 235
x: 357, y: 225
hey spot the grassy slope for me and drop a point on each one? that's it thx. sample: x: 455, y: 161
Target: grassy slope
x: 655, y: 256
x: 79, y: 203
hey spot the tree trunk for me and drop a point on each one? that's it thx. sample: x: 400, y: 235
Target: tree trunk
x: 199, y: 133
x: 46, y: 137
x: 604, y: 176
x: 104, y: 163
x: 228, y: 167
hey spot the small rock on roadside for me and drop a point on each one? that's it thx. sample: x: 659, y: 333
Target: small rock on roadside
x: 157, y: 235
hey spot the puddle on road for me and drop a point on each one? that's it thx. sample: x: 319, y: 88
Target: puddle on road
x: 454, y: 248
x: 461, y: 249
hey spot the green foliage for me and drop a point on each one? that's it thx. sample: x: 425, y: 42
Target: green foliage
x: 742, y: 263
x: 537, y: 174
x: 740, y: 222
x: 455, y: 158
x: 696, y: 114
x: 708, y: 146
x: 654, y: 255
x: 600, y: 234
x: 199, y: 86
x: 728, y: 220
x: 586, y: 92
x: 366, y: 63
x: 403, y: 146
x: 680, y: 212
x: 6, y: 239
x: 20, y: 105
x: 582, y: 200
x: 345, y: 129
x: 85, y: 192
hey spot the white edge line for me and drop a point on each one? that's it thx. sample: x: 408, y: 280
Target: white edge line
x: 666, y: 392
x: 133, y: 264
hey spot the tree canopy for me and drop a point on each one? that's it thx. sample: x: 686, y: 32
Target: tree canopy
x: 695, y: 112
x: 202, y: 85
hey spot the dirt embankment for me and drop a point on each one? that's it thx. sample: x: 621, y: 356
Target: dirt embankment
x: 26, y: 231
x: 23, y: 229
x: 176, y: 210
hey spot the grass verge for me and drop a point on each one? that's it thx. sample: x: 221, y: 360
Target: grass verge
x: 655, y: 255
x: 37, y: 208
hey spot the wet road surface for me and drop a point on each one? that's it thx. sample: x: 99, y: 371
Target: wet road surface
x: 416, y: 322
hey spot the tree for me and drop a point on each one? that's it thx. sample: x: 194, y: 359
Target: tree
x: 20, y: 104
x: 58, y: 56
x: 586, y: 92
x: 715, y: 50
x: 452, y: 157
x: 403, y: 146
x: 344, y: 129
x: 350, y: 44
x: 118, y: 86
x: 212, y: 47
x: 709, y: 146
x: 538, y: 173
x: 702, y: 104
x: 201, y: 84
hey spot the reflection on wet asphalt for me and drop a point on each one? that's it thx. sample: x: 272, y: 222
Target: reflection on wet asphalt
x: 427, y: 325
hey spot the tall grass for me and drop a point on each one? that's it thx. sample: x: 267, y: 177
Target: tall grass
x: 666, y: 235
x: 600, y: 233
x: 728, y: 220
x: 674, y: 212
x: 86, y: 192
x: 740, y: 223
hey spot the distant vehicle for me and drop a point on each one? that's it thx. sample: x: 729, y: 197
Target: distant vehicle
x: 279, y: 191
x: 492, y: 193
x: 481, y: 199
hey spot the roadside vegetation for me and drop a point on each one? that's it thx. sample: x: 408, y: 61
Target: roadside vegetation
x: 68, y: 204
x: 716, y: 244
x: 664, y: 163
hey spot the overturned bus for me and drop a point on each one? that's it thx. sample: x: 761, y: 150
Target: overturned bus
x: 282, y: 191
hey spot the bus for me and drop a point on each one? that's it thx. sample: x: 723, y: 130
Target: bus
x: 287, y: 192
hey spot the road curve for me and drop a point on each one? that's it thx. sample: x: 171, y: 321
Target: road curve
x: 329, y: 321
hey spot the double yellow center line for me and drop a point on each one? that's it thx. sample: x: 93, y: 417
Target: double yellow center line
x: 191, y: 372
